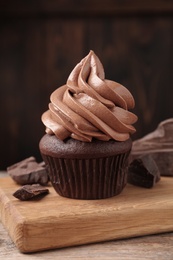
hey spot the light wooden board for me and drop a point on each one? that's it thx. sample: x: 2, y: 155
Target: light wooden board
x: 55, y: 222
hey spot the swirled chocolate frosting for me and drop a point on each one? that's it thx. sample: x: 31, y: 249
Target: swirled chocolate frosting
x: 90, y: 106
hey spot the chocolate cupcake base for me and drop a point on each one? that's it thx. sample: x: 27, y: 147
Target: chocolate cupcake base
x: 88, y: 179
x: 91, y: 177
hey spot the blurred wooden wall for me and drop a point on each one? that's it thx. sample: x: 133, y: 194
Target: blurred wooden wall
x: 41, y: 41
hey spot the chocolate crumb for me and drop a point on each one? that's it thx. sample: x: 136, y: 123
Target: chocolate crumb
x: 28, y: 192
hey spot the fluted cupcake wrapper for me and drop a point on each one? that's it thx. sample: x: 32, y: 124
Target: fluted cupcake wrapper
x: 88, y: 178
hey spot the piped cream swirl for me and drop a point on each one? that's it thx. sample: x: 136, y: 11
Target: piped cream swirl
x: 90, y: 106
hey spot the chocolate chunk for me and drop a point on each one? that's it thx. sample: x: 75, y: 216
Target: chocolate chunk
x: 28, y: 192
x: 29, y: 171
x: 143, y: 172
x: 158, y: 144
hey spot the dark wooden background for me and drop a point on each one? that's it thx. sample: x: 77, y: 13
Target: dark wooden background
x: 41, y: 41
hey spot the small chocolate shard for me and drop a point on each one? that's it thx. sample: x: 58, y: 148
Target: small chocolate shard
x: 158, y: 144
x: 28, y: 192
x: 143, y: 172
x: 28, y: 171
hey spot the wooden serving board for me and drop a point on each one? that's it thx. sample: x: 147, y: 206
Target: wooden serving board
x: 56, y: 222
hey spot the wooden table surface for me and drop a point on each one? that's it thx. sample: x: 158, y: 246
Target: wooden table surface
x: 154, y: 247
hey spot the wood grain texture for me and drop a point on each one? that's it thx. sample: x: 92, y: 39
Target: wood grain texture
x: 91, y: 7
x: 155, y: 247
x: 64, y: 222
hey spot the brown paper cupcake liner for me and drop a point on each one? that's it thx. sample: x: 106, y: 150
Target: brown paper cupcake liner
x: 88, y: 178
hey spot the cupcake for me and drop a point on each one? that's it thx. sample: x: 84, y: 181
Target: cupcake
x: 88, y: 134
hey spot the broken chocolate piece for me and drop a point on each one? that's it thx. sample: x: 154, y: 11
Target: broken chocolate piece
x: 143, y: 172
x: 28, y: 192
x: 28, y: 171
x: 159, y: 144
